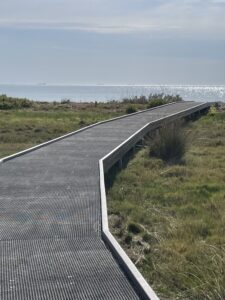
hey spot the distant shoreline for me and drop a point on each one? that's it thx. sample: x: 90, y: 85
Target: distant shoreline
x: 104, y: 93
x: 110, y: 85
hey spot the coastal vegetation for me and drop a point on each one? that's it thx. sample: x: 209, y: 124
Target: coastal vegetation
x: 169, y: 143
x: 25, y: 123
x: 153, y: 99
x: 169, y: 215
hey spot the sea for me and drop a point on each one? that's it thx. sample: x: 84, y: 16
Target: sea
x: 104, y: 93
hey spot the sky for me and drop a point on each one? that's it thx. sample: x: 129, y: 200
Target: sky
x: 112, y: 41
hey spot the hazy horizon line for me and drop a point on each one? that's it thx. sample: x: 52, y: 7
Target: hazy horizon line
x: 111, y: 85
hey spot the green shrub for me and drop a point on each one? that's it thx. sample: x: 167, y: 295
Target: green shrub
x: 169, y: 144
x: 137, y: 99
x: 134, y: 228
x: 212, y: 111
x: 65, y: 101
x: 161, y: 99
x: 156, y: 102
x: 131, y: 109
x: 157, y: 98
x: 7, y: 103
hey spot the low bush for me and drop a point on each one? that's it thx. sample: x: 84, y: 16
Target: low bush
x: 213, y: 110
x: 131, y: 109
x: 161, y: 99
x: 169, y: 144
x: 65, y: 101
x: 156, y: 102
x: 153, y: 98
x: 7, y: 103
x: 134, y: 228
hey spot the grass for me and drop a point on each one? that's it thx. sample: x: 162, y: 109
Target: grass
x: 170, y: 218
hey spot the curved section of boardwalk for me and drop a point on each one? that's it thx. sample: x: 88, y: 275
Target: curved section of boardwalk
x: 50, y: 217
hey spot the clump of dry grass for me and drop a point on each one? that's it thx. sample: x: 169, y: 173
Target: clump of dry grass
x: 169, y: 144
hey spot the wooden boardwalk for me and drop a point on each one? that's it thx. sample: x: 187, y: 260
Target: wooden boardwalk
x: 51, y: 244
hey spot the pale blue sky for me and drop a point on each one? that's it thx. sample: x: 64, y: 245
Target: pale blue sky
x: 112, y: 41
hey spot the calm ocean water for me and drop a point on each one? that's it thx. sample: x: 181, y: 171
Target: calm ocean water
x: 105, y: 93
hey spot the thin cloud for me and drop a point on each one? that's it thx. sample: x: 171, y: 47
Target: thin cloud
x: 188, y: 17
x: 90, y: 27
